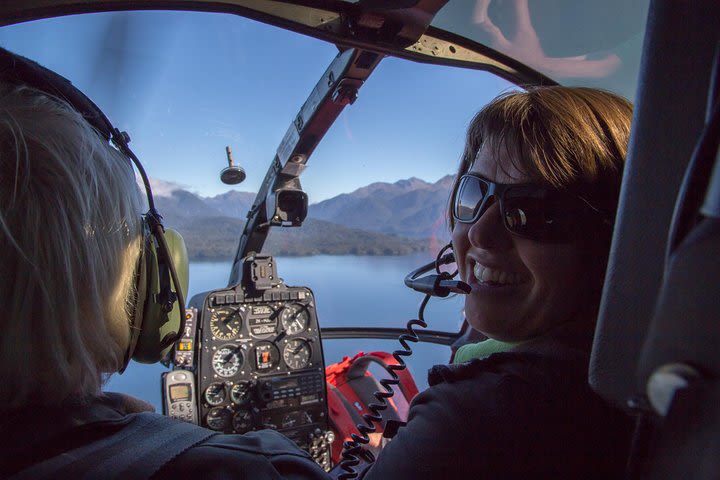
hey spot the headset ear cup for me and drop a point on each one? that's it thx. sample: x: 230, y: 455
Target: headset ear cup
x: 157, y: 323
x: 177, y: 251
x: 141, y: 295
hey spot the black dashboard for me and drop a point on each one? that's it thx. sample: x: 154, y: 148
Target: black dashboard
x: 255, y: 353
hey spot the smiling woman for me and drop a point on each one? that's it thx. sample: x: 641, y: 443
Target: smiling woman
x: 533, y: 251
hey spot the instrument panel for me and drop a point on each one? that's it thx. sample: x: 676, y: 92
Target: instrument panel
x: 260, y: 364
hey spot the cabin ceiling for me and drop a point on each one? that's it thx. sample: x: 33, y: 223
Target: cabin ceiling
x: 576, y: 42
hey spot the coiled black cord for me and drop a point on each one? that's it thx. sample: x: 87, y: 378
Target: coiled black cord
x: 355, y: 448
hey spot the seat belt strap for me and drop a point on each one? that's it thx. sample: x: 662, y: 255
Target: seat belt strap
x: 137, y: 451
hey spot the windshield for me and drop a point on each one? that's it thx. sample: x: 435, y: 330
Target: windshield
x: 186, y: 85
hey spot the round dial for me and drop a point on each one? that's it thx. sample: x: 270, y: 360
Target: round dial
x: 218, y: 418
x: 267, y: 356
x: 215, y: 394
x: 226, y: 360
x: 295, y: 419
x: 240, y: 393
x: 242, y: 421
x: 225, y: 323
x: 296, y: 353
x: 294, y: 318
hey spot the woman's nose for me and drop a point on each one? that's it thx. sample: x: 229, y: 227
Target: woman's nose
x: 489, y: 232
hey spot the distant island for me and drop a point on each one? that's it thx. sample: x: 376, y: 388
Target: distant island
x: 398, y: 218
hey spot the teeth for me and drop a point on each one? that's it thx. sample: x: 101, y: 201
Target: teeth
x: 487, y: 275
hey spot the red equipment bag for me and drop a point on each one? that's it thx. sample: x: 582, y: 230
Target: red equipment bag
x: 350, y: 389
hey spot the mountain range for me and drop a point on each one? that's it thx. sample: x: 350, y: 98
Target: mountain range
x: 379, y: 219
x: 410, y: 208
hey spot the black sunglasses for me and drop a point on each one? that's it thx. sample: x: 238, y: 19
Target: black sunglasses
x: 530, y: 211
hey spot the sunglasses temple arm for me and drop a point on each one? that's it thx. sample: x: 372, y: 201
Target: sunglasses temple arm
x: 603, y: 215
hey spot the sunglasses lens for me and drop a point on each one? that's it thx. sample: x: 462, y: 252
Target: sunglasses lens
x: 516, y: 219
x: 537, y: 214
x: 468, y: 199
x: 524, y: 211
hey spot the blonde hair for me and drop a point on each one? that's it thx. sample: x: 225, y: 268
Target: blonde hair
x: 69, y: 233
x: 572, y: 138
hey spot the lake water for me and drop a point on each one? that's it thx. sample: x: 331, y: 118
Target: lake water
x: 349, y: 291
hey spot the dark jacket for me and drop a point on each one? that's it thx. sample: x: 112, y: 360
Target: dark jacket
x: 35, y: 434
x: 527, y: 413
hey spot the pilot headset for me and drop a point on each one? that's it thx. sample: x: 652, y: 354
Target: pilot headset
x: 158, y: 316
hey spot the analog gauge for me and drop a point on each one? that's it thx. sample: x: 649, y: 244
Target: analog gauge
x: 294, y: 318
x: 240, y: 393
x: 295, y: 419
x: 242, y: 421
x: 218, y: 418
x: 226, y: 360
x: 215, y: 394
x: 225, y: 323
x: 296, y: 353
x: 267, y: 356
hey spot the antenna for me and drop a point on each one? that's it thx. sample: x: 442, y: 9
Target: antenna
x: 232, y: 174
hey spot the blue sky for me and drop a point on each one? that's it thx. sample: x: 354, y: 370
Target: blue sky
x: 185, y: 85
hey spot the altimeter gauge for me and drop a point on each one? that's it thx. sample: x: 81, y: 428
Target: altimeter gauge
x: 225, y: 323
x: 226, y: 361
x: 296, y: 353
x: 294, y: 318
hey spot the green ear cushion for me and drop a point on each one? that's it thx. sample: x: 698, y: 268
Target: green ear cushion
x: 141, y: 285
x: 156, y: 323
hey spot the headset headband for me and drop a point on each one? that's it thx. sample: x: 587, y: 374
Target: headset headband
x: 18, y: 70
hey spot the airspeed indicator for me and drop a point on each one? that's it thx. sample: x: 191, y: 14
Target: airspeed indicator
x: 225, y: 323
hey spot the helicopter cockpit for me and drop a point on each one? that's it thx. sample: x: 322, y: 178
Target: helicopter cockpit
x: 296, y: 270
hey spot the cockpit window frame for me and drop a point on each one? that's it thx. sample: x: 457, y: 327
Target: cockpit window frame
x: 327, y: 20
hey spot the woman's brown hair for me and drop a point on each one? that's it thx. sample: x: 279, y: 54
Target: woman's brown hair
x: 572, y: 138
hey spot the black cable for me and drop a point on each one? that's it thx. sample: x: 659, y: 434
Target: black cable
x: 172, y: 337
x: 121, y: 140
x: 353, y: 449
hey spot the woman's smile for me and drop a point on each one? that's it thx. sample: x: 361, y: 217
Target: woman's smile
x: 485, y: 275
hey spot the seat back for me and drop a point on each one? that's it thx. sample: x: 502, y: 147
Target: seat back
x: 669, y: 117
x: 658, y: 331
